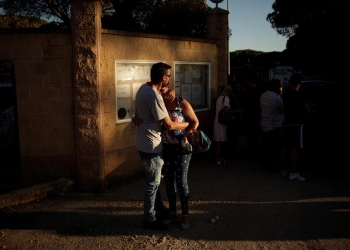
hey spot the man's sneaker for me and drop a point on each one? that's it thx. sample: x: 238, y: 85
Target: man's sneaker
x: 154, y: 225
x: 296, y: 177
x: 170, y: 219
x: 221, y: 163
x: 284, y: 172
x: 163, y: 214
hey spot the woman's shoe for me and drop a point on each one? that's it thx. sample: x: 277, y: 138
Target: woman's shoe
x: 185, y: 222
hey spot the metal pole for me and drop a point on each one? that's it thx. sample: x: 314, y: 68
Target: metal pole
x: 228, y: 40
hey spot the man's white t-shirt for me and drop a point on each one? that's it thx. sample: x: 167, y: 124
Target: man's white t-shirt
x: 150, y: 107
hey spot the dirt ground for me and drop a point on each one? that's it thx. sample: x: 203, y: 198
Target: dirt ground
x: 256, y: 209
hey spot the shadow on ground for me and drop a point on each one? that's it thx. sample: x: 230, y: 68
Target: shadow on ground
x: 252, y: 206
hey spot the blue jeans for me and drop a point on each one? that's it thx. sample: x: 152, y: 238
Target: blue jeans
x: 175, y: 175
x: 152, y: 199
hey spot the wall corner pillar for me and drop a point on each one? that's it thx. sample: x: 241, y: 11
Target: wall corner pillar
x: 86, y: 42
x: 217, y: 28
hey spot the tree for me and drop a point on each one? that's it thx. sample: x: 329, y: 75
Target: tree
x: 316, y: 31
x: 244, y: 58
x: 251, y: 62
x: 16, y: 21
x: 167, y: 17
x: 126, y: 15
x: 58, y: 10
x: 179, y: 18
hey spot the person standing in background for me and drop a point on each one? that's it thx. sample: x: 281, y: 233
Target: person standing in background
x: 272, y: 119
x: 285, y: 83
x: 150, y: 108
x: 234, y: 128
x: 296, y: 110
x: 251, y: 114
x: 220, y: 136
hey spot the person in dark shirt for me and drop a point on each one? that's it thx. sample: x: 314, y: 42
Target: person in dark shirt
x: 251, y: 112
x: 234, y: 128
x: 296, y: 110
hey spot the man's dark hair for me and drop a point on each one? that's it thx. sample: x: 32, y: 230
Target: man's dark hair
x: 295, y: 79
x: 158, y: 70
x: 254, y: 79
x: 274, y: 85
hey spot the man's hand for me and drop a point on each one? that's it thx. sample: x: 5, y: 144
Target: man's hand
x: 136, y: 120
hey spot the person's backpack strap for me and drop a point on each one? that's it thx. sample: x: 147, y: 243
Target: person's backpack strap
x: 200, y: 142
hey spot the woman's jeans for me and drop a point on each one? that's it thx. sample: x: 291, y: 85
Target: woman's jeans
x: 175, y: 172
x: 152, y: 199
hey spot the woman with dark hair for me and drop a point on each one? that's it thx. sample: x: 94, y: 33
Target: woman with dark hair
x: 177, y: 155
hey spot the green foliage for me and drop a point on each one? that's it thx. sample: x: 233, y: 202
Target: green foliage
x: 315, y: 28
x: 244, y: 58
x: 127, y: 14
x: 167, y: 17
x: 16, y: 21
x: 247, y: 63
x: 180, y: 18
x: 289, y: 15
x: 57, y: 10
x: 252, y: 58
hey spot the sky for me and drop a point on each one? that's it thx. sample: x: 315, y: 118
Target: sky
x: 249, y: 27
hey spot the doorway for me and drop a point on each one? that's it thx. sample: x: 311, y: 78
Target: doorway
x: 9, y: 137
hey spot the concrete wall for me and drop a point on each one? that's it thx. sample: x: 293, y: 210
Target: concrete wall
x: 122, y: 156
x: 45, y: 96
x: 43, y: 72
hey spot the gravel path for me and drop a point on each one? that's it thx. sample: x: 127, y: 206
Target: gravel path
x: 257, y: 210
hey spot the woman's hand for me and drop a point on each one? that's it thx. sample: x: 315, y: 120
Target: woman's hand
x: 169, y: 95
x: 185, y: 139
x: 189, y: 133
x: 185, y: 144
